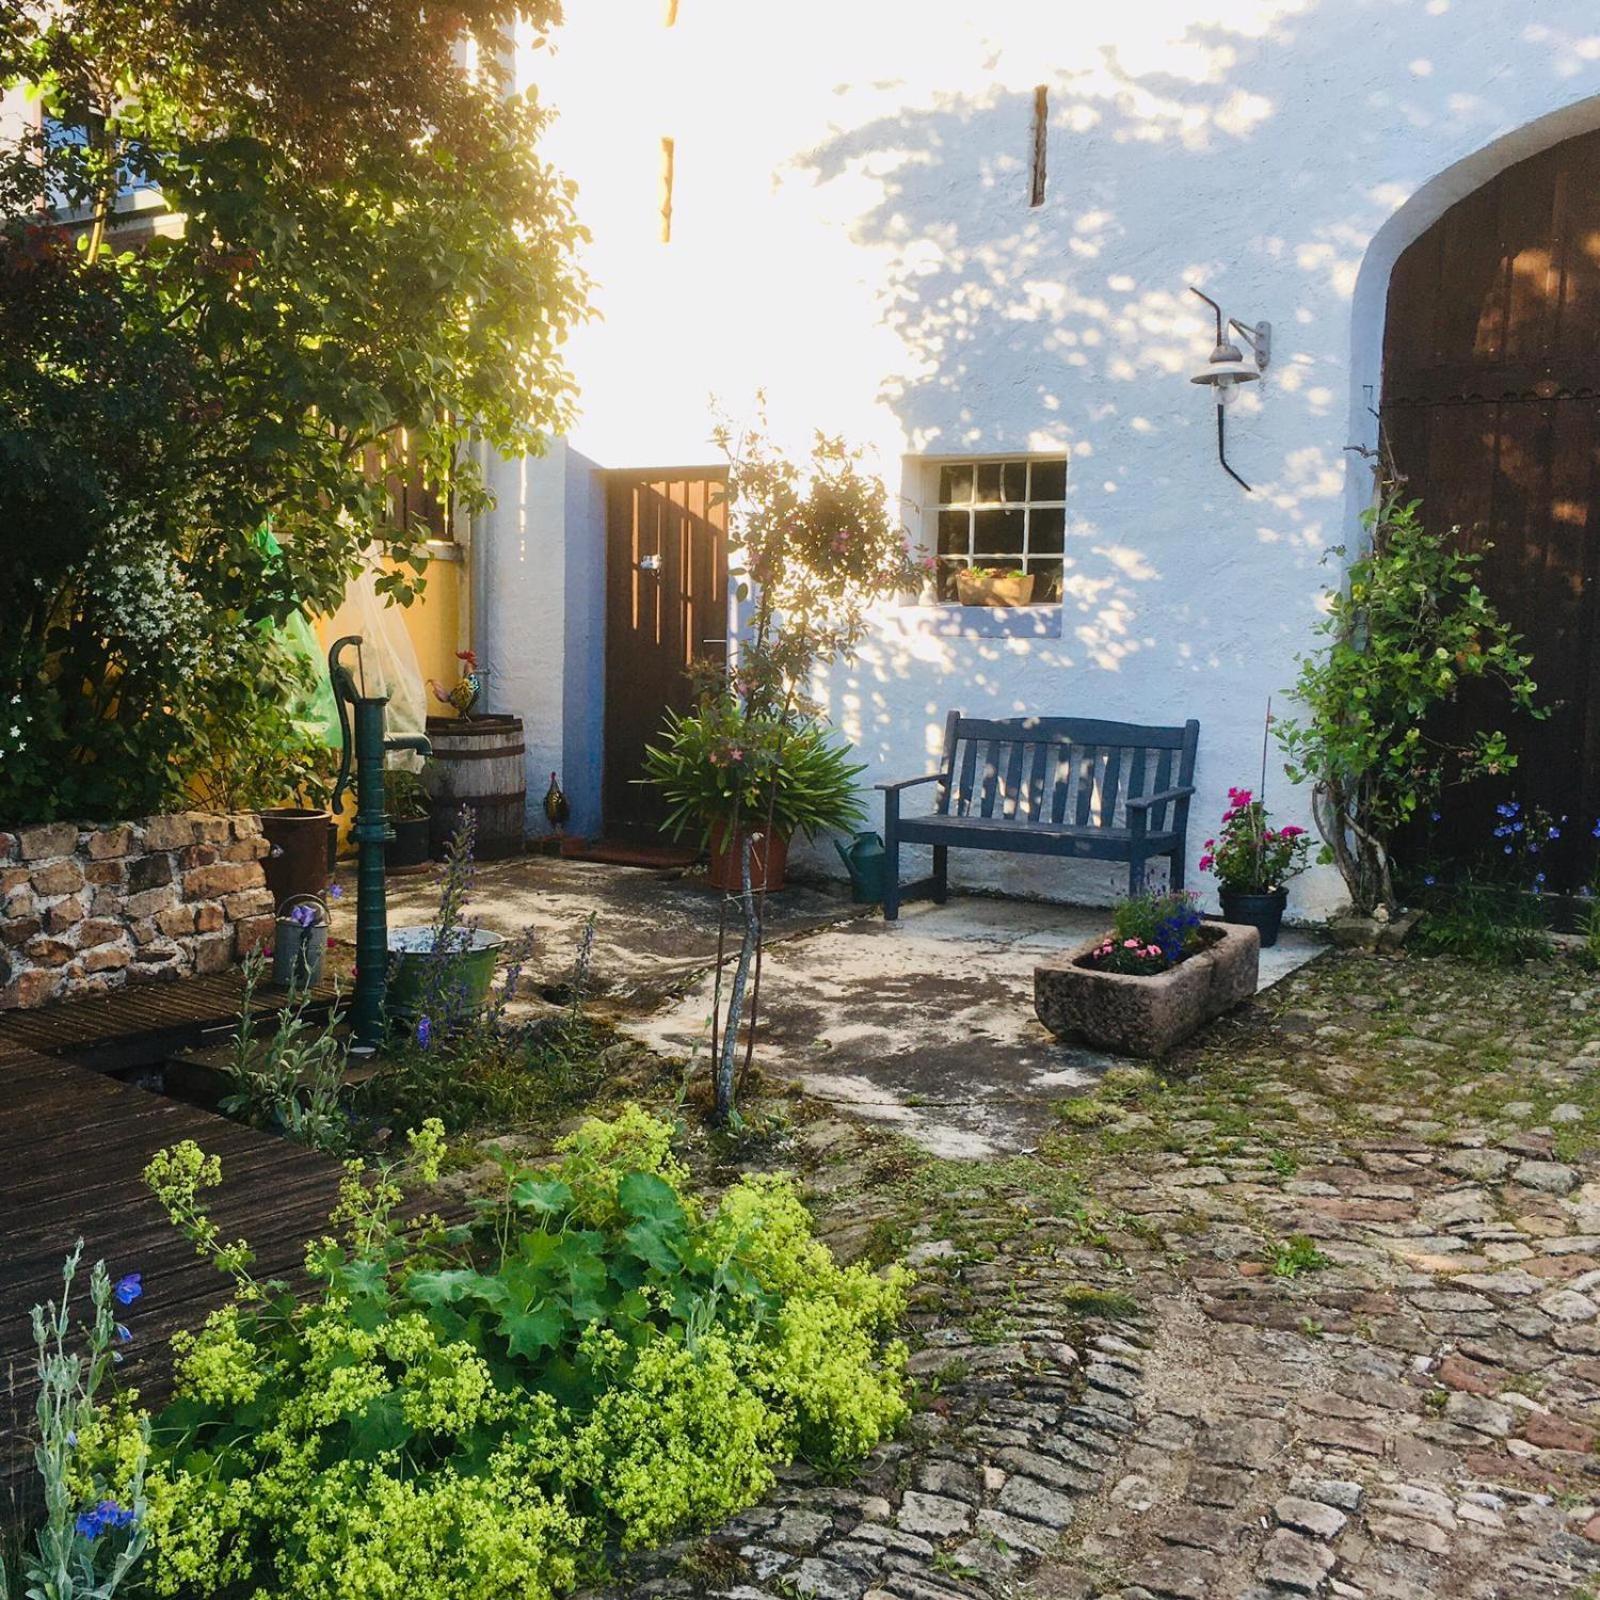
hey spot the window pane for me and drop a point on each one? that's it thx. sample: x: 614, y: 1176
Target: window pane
x: 947, y: 578
x: 997, y: 533
x: 1049, y: 480
x: 1046, y: 530
x: 1014, y: 481
x: 1046, y: 581
x: 988, y: 482
x: 953, y: 526
x: 955, y: 484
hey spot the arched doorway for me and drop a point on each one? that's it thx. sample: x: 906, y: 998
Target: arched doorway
x: 1491, y: 406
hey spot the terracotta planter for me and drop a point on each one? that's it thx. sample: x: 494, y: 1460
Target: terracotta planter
x: 297, y: 867
x: 1131, y: 1016
x: 1008, y: 589
x: 766, y: 865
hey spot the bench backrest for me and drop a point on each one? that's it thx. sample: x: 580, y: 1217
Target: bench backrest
x: 1076, y: 771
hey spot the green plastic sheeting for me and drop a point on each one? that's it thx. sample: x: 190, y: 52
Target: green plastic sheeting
x: 318, y: 711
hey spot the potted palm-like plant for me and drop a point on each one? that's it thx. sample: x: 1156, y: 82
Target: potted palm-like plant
x: 1253, y: 863
x: 725, y: 770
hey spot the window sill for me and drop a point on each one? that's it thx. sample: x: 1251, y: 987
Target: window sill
x: 951, y: 621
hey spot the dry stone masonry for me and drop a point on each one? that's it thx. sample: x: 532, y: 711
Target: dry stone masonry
x: 84, y: 909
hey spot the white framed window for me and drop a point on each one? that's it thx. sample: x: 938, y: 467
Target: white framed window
x: 1002, y: 516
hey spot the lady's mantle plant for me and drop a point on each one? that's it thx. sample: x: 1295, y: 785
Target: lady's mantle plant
x: 482, y: 1411
x: 1248, y: 855
x: 1407, y: 632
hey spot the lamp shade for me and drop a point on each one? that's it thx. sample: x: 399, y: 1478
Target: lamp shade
x: 1226, y: 367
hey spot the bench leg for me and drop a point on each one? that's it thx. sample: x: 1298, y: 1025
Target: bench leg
x: 941, y: 874
x: 1175, y: 871
x: 891, y: 857
x: 1136, y: 876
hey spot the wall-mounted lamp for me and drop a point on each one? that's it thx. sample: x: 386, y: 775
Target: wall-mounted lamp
x: 1227, y: 370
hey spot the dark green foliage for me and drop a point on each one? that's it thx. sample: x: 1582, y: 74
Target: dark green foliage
x: 369, y: 244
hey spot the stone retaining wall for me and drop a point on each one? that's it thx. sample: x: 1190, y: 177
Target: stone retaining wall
x: 85, y: 909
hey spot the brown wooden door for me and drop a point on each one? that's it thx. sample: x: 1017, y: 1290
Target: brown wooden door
x: 1491, y: 405
x: 666, y: 606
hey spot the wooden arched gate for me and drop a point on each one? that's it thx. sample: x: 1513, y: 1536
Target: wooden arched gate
x: 1491, y: 406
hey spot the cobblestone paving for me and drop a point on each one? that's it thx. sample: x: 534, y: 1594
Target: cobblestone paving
x: 1313, y: 1312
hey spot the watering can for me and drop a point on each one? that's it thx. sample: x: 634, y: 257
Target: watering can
x: 864, y: 861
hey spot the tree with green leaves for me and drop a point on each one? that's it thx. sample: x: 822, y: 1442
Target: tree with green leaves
x: 1409, y: 629
x: 360, y: 245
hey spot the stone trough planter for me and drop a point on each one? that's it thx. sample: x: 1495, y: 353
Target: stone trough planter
x: 1131, y: 1016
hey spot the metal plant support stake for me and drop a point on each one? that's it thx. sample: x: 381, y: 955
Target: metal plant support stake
x: 370, y: 832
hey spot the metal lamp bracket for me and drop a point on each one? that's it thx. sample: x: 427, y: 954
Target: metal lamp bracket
x: 1259, y: 338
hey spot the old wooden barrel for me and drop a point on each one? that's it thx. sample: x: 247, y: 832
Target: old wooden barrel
x: 477, y: 762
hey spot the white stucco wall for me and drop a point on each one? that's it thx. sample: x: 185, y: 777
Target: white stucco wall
x: 851, y: 232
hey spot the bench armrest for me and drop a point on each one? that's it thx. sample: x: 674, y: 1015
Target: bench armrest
x: 908, y: 783
x: 1144, y: 802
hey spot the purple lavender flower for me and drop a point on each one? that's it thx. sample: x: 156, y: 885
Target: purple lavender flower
x: 304, y: 916
x: 424, y: 1032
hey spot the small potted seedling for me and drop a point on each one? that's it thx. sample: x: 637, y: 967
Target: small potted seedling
x: 406, y: 801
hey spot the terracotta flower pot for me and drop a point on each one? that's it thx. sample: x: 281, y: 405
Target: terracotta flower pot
x: 1003, y: 589
x: 1134, y: 1016
x: 767, y: 863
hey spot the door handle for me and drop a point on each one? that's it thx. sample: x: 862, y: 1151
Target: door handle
x: 649, y: 563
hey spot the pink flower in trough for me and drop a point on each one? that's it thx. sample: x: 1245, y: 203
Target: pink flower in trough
x: 1130, y: 944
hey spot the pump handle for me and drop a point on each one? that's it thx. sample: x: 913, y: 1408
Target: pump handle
x: 344, y: 689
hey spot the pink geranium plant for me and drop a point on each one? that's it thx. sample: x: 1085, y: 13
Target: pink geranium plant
x: 1249, y: 855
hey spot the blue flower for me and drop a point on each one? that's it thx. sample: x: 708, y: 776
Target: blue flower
x: 103, y: 1518
x: 1538, y: 880
x: 336, y: 890
x: 1508, y: 850
x: 129, y: 1288
x: 1554, y: 833
x: 124, y: 1333
x: 1434, y: 816
x: 424, y: 1031
x: 1429, y: 880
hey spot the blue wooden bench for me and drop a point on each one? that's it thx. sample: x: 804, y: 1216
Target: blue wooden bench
x: 1048, y: 786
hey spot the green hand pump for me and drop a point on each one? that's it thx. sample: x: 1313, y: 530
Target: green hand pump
x: 371, y: 832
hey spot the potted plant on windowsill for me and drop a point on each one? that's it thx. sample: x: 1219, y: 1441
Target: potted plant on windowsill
x: 1159, y: 975
x: 724, y: 769
x: 994, y: 586
x: 1253, y: 863
x: 410, y: 814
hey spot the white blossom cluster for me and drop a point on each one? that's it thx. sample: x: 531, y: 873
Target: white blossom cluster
x: 139, y: 593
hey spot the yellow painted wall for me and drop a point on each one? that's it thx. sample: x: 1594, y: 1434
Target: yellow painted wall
x: 435, y: 623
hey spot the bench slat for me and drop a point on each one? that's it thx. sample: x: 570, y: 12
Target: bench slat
x: 962, y: 799
x: 1013, y: 789
x: 1108, y: 793
x: 1088, y: 764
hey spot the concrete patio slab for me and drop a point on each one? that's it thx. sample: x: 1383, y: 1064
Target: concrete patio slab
x: 655, y: 931
x: 928, y: 1023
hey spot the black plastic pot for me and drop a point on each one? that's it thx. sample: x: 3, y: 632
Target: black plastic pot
x: 408, y: 850
x: 1263, y: 912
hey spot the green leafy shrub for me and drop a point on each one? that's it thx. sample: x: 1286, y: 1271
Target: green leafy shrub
x: 1408, y: 631
x: 1149, y: 934
x: 480, y: 1411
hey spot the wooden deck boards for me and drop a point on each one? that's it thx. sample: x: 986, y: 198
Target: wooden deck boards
x: 74, y: 1143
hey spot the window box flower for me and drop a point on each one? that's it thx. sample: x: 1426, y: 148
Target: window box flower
x: 994, y: 586
x: 1146, y: 1014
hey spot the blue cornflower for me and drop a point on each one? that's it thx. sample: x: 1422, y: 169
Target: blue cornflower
x: 1429, y: 880
x: 103, y: 1518
x: 1517, y: 827
x: 1538, y: 880
x: 129, y: 1288
x: 1554, y: 833
x: 424, y: 1032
